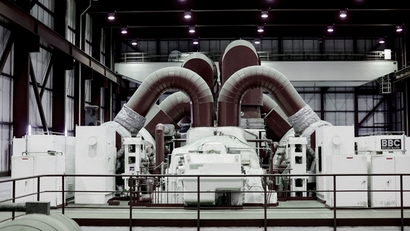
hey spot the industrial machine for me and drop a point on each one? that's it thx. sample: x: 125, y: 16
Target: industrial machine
x: 41, y: 154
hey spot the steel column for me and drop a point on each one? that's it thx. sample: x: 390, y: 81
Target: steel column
x: 21, y: 90
x: 356, y: 113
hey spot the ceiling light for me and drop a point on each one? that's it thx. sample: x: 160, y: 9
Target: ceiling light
x: 257, y: 41
x: 382, y: 41
x: 187, y: 14
x: 264, y: 14
x: 124, y: 31
x: 343, y: 14
x: 195, y: 42
x: 191, y: 29
x: 399, y: 28
x: 330, y: 29
x: 111, y: 16
x: 134, y: 43
x: 260, y: 29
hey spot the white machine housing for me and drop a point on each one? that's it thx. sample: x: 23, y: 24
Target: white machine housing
x: 331, y: 140
x: 134, y: 151
x: 296, y: 153
x: 389, y: 164
x: 381, y: 144
x: 40, y: 154
x: 215, y: 151
x: 95, y: 155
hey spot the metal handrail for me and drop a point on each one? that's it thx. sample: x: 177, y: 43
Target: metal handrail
x: 198, y: 191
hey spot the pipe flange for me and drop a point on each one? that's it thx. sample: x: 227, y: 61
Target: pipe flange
x: 130, y: 120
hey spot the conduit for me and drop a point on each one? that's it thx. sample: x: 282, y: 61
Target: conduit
x: 229, y: 101
x: 273, y: 119
x: 132, y: 115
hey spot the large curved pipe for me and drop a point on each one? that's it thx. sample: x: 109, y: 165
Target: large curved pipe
x: 170, y: 111
x: 133, y: 112
x: 202, y: 65
x: 237, y: 55
x: 299, y: 113
x: 273, y: 119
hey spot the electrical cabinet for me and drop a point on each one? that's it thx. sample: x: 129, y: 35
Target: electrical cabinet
x: 355, y: 186
x: 95, y: 155
x: 388, y: 187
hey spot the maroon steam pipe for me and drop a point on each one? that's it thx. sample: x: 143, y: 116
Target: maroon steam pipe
x: 256, y: 77
x: 237, y: 55
x: 160, y: 147
x: 175, y: 78
x: 202, y: 65
x: 172, y: 110
x: 273, y: 119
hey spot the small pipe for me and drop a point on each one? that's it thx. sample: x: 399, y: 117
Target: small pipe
x: 160, y: 129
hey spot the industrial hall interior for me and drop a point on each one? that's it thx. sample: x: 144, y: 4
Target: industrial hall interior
x: 204, y: 115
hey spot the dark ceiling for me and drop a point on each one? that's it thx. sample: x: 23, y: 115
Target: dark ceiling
x: 225, y: 19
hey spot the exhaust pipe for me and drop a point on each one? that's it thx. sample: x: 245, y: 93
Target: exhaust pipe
x: 300, y: 115
x: 132, y: 115
x: 274, y: 118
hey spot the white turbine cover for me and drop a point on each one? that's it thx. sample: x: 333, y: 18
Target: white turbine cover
x: 303, y: 119
x: 130, y: 120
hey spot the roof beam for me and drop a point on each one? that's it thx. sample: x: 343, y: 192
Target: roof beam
x: 16, y: 15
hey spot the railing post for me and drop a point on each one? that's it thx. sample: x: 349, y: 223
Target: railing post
x: 38, y: 188
x: 13, y: 215
x: 62, y: 195
x: 265, y: 206
x: 198, y: 203
x: 131, y: 189
x: 334, y: 203
x: 401, y: 202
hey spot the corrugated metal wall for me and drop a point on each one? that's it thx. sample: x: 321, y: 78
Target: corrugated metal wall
x: 6, y: 101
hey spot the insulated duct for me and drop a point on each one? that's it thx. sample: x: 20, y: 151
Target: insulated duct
x: 229, y: 101
x: 274, y: 118
x: 202, y: 65
x: 170, y: 111
x: 132, y: 115
x: 237, y: 55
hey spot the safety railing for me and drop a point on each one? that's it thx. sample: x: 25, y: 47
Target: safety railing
x: 153, y: 186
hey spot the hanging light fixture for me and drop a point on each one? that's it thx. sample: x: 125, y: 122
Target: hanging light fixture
x: 195, y: 42
x: 399, y: 28
x: 260, y: 29
x: 191, y: 29
x: 330, y: 29
x: 264, y: 14
x: 187, y: 15
x: 257, y: 41
x: 343, y: 13
x: 133, y: 42
x: 111, y: 16
x: 124, y: 30
x: 382, y: 41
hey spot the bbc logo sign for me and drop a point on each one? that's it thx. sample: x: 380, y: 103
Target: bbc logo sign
x: 391, y: 143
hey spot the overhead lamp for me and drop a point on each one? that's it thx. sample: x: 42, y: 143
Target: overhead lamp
x: 343, y: 13
x: 191, y: 29
x: 257, y: 41
x: 382, y: 41
x: 260, y: 29
x: 330, y: 29
x: 195, y: 42
x: 133, y: 42
x: 124, y: 30
x: 264, y: 14
x: 399, y: 29
x: 187, y: 14
x: 111, y: 16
